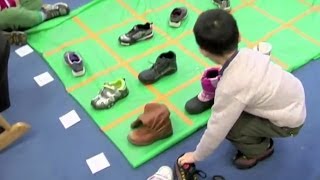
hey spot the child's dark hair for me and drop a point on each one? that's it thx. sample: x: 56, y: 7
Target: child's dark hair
x: 216, y: 31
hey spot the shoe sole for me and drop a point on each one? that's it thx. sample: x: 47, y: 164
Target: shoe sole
x: 142, y: 39
x: 166, y: 74
x: 147, y: 143
x: 177, y: 24
x: 80, y: 73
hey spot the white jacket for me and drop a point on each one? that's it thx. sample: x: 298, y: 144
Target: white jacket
x: 254, y: 84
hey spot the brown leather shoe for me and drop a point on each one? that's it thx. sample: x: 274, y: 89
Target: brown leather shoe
x: 154, y: 124
x: 243, y: 162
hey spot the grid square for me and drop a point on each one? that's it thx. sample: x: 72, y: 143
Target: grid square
x: 275, y: 8
x: 125, y: 52
x: 94, y: 61
x: 313, y: 2
x: 187, y: 69
x: 293, y: 54
x: 143, y: 6
x: 304, y: 25
x: 138, y: 96
x: 192, y: 47
x: 163, y: 23
x: 108, y: 14
x: 250, y: 23
x: 58, y: 35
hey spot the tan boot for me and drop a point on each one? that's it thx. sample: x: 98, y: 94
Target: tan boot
x: 14, y: 133
x: 154, y: 124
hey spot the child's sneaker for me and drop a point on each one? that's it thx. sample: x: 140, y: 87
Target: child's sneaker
x: 110, y: 94
x: 165, y: 65
x: 18, y: 38
x: 223, y: 4
x: 138, y: 33
x: 205, y: 99
x: 75, y: 62
x: 55, y: 10
x: 264, y: 48
x: 177, y: 16
x: 187, y: 172
x: 164, y: 173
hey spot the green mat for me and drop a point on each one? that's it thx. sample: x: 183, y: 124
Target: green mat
x: 93, y: 31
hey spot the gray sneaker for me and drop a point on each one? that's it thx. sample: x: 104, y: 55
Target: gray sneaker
x: 138, y: 33
x: 55, y: 10
x: 223, y: 4
x: 75, y: 62
x: 111, y: 93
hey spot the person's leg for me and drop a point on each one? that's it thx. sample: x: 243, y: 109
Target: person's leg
x: 34, y: 5
x: 19, y: 18
x: 4, y: 85
x: 251, y: 135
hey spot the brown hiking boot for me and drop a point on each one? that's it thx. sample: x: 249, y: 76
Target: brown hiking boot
x: 243, y: 162
x: 18, y: 38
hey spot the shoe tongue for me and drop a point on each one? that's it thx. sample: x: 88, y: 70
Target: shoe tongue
x: 74, y: 58
x: 108, y: 88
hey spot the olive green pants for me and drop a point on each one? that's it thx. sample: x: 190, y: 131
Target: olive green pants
x: 25, y: 16
x: 251, y: 135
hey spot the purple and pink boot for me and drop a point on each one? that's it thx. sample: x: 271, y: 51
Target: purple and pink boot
x: 205, y: 99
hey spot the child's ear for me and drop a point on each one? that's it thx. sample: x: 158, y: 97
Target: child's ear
x: 204, y: 52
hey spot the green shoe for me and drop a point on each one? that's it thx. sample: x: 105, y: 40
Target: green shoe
x: 110, y: 94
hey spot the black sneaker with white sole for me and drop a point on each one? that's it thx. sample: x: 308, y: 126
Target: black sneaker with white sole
x: 165, y: 65
x: 177, y: 16
x: 138, y: 33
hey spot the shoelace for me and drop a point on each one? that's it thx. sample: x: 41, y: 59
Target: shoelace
x: 194, y: 171
x: 156, y: 66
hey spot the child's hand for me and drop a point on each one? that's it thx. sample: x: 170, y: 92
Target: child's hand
x: 186, y: 158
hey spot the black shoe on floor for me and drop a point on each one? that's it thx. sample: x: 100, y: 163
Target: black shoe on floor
x: 165, y: 65
x: 187, y: 172
x: 177, y: 16
x: 138, y: 33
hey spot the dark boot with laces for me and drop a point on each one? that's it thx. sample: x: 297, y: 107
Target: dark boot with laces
x: 165, y: 65
x: 187, y: 172
x: 52, y: 11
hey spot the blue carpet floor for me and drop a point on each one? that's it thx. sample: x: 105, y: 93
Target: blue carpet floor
x: 49, y: 152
